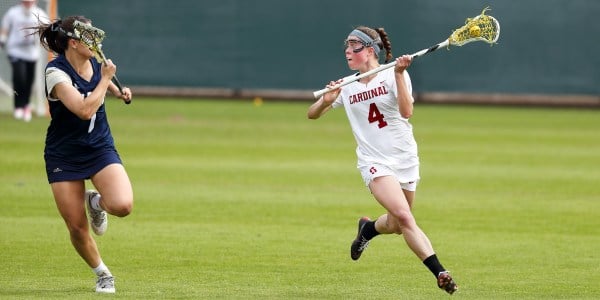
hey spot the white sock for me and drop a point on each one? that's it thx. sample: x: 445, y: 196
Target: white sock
x: 95, y: 202
x: 101, y: 270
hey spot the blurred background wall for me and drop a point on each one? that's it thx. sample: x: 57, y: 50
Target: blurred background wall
x: 545, y: 46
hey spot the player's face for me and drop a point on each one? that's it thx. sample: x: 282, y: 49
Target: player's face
x: 82, y: 49
x: 356, y: 52
x: 28, y: 4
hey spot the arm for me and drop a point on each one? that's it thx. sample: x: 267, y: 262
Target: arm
x: 85, y: 107
x: 6, y: 26
x: 126, y: 95
x: 3, y: 35
x: 405, y: 99
x: 321, y: 106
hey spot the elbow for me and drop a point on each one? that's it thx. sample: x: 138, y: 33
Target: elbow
x: 406, y: 110
x: 313, y: 115
x: 317, y: 110
x: 86, y: 115
x: 84, y: 110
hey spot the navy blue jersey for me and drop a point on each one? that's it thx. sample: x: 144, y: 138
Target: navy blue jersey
x: 70, y: 138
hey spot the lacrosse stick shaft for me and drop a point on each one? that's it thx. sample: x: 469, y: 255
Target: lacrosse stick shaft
x: 6, y: 88
x: 115, y: 80
x: 352, y: 78
x: 431, y: 49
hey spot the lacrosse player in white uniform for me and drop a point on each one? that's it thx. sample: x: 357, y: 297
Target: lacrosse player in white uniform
x: 23, y: 50
x: 378, y: 109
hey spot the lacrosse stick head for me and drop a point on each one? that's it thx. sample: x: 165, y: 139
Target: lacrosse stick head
x: 91, y: 36
x: 480, y: 28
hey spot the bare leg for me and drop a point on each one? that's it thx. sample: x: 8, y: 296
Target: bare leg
x: 399, y: 218
x: 113, y: 185
x: 115, y: 188
x: 68, y: 196
x: 382, y: 226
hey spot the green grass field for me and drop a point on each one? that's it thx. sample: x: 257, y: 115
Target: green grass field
x: 235, y: 201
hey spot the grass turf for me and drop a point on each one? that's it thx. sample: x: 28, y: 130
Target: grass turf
x: 241, y: 201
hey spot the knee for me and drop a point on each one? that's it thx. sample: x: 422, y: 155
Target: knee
x: 78, y: 232
x: 123, y: 210
x: 403, y: 219
x: 120, y: 208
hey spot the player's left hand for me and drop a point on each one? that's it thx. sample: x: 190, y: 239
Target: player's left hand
x: 126, y: 95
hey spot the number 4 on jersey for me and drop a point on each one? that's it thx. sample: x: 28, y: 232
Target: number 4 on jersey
x: 376, y: 116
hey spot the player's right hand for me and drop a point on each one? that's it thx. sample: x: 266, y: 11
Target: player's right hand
x: 108, y: 69
x: 330, y: 97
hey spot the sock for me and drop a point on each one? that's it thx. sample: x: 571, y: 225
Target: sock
x: 101, y: 270
x: 368, y: 231
x: 95, y: 203
x: 434, y: 265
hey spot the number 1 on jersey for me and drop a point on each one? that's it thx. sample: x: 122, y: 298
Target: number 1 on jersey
x: 376, y: 116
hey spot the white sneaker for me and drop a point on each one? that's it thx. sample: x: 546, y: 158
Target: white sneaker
x: 27, y: 114
x: 98, y: 218
x: 19, y: 113
x: 105, y: 284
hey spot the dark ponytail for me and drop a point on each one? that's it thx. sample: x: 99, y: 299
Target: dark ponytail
x: 387, y: 45
x: 381, y: 38
x: 55, y: 36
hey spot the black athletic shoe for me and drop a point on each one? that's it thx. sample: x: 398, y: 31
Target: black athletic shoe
x: 445, y: 282
x: 360, y: 243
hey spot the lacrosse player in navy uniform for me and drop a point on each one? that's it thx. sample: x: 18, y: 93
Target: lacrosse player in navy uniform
x: 378, y: 108
x: 79, y: 143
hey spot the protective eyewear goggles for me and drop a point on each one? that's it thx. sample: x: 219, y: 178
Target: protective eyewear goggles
x: 355, y: 45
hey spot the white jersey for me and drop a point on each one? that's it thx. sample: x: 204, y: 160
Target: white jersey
x: 20, y: 42
x: 382, y: 135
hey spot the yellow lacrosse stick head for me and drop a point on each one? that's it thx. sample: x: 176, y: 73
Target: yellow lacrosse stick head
x: 483, y: 28
x: 91, y: 36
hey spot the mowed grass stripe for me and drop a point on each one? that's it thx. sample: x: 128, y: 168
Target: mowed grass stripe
x: 236, y: 201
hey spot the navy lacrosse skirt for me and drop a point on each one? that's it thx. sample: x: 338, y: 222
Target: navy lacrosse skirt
x: 60, y: 169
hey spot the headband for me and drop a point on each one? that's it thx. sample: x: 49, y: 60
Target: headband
x: 367, y: 41
x: 56, y: 27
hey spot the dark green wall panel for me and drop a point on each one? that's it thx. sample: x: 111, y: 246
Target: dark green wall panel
x: 546, y: 46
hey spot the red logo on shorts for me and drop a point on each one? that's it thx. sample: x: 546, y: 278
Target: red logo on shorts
x: 373, y: 170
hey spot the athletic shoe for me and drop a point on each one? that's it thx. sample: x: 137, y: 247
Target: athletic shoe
x: 445, y: 282
x: 27, y: 114
x: 105, y: 284
x: 19, y: 113
x: 98, y: 218
x: 360, y: 243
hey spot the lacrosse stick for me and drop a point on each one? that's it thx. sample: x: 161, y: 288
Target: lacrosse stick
x: 92, y: 37
x: 480, y: 28
x: 6, y: 88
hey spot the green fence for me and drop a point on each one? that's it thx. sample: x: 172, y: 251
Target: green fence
x: 546, y: 46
